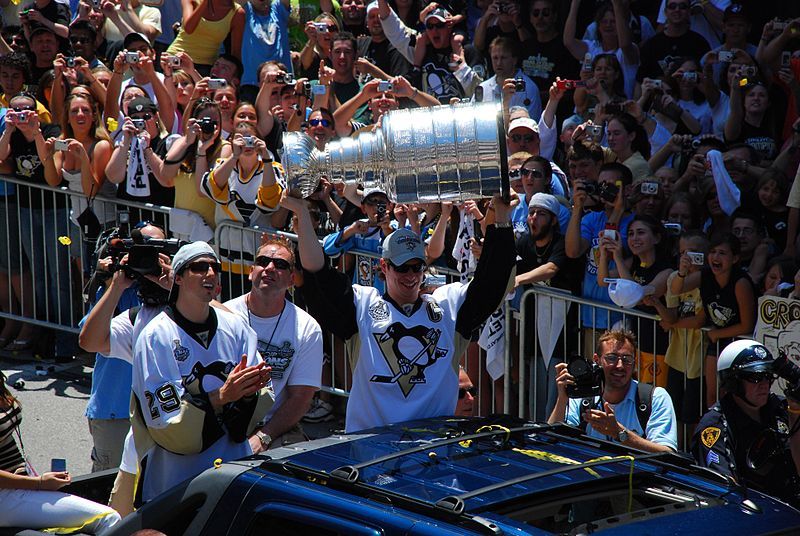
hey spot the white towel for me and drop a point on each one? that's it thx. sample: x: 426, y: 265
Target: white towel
x: 461, y: 253
x: 188, y: 225
x: 492, y: 340
x: 727, y: 192
x: 551, y: 314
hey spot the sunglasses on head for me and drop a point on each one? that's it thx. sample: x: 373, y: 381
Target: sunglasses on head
x: 519, y: 138
x: 675, y: 5
x: 318, y: 122
x: 280, y: 264
x: 535, y: 172
x: 201, y: 267
x: 405, y: 268
x: 435, y: 25
x: 462, y: 392
x: 543, y: 12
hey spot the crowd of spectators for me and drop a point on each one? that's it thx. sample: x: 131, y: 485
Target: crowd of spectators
x: 664, y: 135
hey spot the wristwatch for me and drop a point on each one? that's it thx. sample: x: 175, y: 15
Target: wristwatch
x: 622, y: 437
x: 502, y: 224
x: 265, y: 439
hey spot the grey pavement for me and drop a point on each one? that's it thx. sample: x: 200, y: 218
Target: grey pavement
x: 53, y: 424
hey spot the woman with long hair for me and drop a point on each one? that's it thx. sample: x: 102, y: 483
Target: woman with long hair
x: 193, y: 154
x: 605, y: 83
x: 628, y: 139
x: 751, y: 119
x: 318, y: 46
x: 649, y: 265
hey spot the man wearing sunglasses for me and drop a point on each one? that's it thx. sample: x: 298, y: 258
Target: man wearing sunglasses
x: 404, y: 345
x: 199, y: 385
x: 749, y: 434
x: 616, y: 415
x: 289, y: 341
x: 83, y: 38
x: 467, y: 395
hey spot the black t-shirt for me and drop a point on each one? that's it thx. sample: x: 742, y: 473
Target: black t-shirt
x: 763, y: 139
x: 358, y: 30
x: 776, y: 223
x: 543, y: 62
x: 28, y: 167
x: 158, y: 194
x: 645, y: 329
x: 384, y: 55
x: 531, y: 256
x: 439, y: 80
x: 721, y: 307
x: 55, y: 12
x: 660, y: 51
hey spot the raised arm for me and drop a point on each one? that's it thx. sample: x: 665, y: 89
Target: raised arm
x: 575, y: 46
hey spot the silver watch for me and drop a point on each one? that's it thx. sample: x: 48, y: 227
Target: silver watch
x: 265, y: 439
x: 622, y: 437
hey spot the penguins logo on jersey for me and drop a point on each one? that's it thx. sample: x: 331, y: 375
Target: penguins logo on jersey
x: 207, y: 378
x: 408, y: 352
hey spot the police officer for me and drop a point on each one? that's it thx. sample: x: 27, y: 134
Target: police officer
x: 749, y: 433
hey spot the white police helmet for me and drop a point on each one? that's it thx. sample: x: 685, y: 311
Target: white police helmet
x: 742, y: 359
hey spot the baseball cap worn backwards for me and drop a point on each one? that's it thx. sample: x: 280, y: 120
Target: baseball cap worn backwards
x: 184, y: 256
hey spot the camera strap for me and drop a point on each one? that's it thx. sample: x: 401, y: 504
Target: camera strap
x: 644, y: 406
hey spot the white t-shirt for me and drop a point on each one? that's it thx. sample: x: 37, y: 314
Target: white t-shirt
x: 124, y: 334
x: 290, y: 343
x: 148, y: 15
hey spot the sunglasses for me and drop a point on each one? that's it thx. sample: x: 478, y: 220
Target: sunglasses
x: 543, y: 12
x: 613, y: 359
x: 519, y: 138
x: 405, y: 268
x: 462, y: 392
x: 435, y: 25
x: 318, y: 122
x: 77, y: 40
x: 280, y: 264
x: 758, y: 377
x: 535, y: 172
x: 201, y: 267
x: 513, y: 174
x: 673, y: 6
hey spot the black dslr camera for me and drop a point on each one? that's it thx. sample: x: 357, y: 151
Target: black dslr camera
x: 790, y: 372
x: 207, y: 125
x: 588, y: 377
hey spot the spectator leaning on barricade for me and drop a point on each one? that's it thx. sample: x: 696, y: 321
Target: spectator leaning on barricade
x: 392, y: 381
x: 289, y: 341
x: 635, y: 414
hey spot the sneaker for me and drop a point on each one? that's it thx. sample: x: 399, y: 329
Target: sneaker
x: 320, y: 411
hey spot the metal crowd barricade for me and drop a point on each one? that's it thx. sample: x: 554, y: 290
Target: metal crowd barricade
x: 527, y: 363
x: 44, y: 255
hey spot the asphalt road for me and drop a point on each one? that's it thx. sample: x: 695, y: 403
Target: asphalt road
x: 53, y: 424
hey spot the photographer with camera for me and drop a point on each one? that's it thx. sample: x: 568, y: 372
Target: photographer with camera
x: 750, y: 433
x: 604, y: 400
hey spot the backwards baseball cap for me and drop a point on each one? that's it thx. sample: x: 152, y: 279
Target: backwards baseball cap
x: 439, y: 13
x: 545, y: 201
x: 733, y: 11
x: 371, y: 6
x: 134, y: 37
x: 626, y: 293
x: 184, y: 256
x: 402, y: 246
x: 141, y: 104
x: 523, y: 122
x: 372, y: 191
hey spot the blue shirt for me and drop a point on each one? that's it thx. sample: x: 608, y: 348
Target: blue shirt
x: 266, y: 37
x: 112, y: 378
x: 367, y: 268
x: 591, y: 225
x: 661, y: 426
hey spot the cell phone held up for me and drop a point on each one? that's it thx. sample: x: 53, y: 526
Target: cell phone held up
x: 58, y: 465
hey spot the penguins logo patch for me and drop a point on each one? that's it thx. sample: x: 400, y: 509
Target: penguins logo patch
x: 709, y: 436
x: 408, y: 352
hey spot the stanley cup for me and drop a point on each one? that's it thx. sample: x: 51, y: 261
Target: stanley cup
x: 444, y: 153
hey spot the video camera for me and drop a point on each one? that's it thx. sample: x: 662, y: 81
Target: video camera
x: 790, y: 372
x: 588, y: 377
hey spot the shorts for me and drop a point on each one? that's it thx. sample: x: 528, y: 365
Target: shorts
x: 687, y: 396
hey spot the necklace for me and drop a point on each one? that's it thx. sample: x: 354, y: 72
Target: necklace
x: 250, y: 320
x: 541, y: 255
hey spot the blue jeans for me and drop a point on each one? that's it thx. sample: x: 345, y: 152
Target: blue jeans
x: 50, y: 266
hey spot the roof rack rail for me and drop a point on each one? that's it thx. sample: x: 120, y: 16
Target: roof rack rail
x: 457, y: 500
x: 352, y: 473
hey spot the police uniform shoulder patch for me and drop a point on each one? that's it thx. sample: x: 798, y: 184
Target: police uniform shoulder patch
x: 710, y: 435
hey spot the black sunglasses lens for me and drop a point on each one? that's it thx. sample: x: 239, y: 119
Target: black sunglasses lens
x: 281, y: 264
x: 462, y: 392
x: 201, y: 267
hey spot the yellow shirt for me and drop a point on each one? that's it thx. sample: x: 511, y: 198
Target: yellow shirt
x: 685, y: 352
x: 203, y: 44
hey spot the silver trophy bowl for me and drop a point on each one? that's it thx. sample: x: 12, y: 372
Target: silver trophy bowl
x: 443, y: 153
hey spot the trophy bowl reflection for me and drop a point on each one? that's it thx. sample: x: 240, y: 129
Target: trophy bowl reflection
x: 443, y: 153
